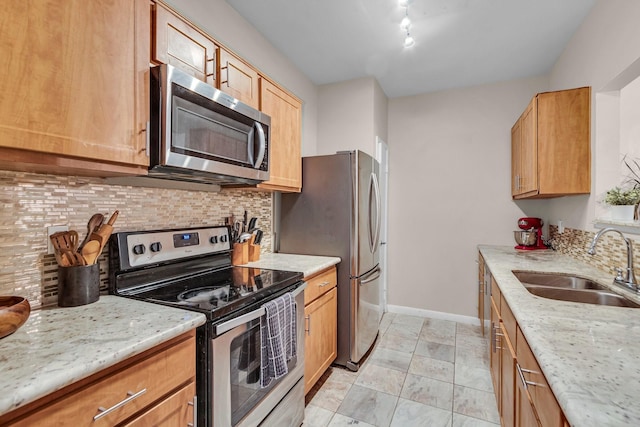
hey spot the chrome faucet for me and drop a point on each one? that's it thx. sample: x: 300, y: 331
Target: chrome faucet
x: 628, y: 280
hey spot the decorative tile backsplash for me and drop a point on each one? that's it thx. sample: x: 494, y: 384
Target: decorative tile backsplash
x: 611, y: 251
x: 33, y: 202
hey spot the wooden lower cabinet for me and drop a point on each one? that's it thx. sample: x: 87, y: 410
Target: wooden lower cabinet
x: 155, y: 388
x: 523, y: 395
x: 321, y: 318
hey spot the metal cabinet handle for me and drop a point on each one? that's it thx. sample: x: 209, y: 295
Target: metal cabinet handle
x: 195, y: 412
x: 323, y: 284
x: 526, y: 383
x: 227, y: 71
x: 494, y: 338
x: 210, y: 67
x: 132, y: 396
x: 308, y: 328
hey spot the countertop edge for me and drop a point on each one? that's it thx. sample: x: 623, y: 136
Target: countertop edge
x: 308, y: 265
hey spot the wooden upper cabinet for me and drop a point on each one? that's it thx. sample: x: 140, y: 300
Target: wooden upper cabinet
x: 286, y: 134
x: 550, y: 143
x: 178, y: 43
x: 76, y: 73
x: 238, y: 79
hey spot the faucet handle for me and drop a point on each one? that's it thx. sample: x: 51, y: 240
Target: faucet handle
x: 619, y: 275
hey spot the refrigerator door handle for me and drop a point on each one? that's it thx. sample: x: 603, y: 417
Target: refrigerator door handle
x: 370, y: 277
x: 374, y: 235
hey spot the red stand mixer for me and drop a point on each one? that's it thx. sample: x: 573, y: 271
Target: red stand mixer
x: 529, y: 237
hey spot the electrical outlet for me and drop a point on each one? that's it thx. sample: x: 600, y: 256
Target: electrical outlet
x: 52, y: 230
x: 560, y: 226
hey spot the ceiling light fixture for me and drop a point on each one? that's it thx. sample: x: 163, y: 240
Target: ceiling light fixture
x: 405, y: 24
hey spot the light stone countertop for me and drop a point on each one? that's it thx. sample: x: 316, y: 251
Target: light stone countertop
x: 307, y: 264
x: 590, y: 354
x: 58, y: 346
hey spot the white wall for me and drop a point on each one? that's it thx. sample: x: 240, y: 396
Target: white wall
x: 603, y: 48
x: 218, y: 19
x: 350, y: 115
x: 450, y: 189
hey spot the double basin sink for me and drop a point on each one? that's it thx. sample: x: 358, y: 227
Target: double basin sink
x: 571, y: 288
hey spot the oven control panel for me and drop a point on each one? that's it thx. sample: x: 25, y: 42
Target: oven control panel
x: 152, y: 247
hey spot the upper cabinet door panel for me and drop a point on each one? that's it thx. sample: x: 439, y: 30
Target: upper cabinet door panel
x: 178, y: 43
x: 72, y: 72
x: 238, y: 79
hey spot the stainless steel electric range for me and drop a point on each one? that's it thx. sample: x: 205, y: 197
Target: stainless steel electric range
x: 191, y: 269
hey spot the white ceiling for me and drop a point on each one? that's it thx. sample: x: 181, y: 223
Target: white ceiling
x: 458, y: 42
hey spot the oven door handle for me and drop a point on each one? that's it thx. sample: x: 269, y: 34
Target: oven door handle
x: 248, y: 317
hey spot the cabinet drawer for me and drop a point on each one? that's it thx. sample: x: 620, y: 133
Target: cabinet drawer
x: 157, y: 374
x: 176, y: 410
x: 320, y: 284
x: 495, y: 294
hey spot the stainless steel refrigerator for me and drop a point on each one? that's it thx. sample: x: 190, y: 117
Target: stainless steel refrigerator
x: 338, y: 214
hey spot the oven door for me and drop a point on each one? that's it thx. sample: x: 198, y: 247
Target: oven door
x: 237, y: 398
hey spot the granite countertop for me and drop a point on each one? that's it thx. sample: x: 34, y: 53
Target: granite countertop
x: 590, y: 354
x: 59, y: 346
x: 307, y: 264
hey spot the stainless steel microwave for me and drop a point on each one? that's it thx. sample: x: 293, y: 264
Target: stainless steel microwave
x: 201, y: 134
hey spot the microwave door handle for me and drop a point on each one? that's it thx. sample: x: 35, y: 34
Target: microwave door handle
x: 250, y: 144
x: 263, y: 145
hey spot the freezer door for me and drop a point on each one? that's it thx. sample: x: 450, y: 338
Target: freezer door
x: 367, y: 215
x: 366, y: 292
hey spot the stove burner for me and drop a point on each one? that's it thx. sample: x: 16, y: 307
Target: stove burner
x: 213, y: 296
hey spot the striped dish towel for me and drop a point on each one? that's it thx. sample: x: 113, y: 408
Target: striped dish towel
x: 278, y: 330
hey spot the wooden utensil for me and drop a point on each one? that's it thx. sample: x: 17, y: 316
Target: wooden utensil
x: 93, y: 225
x: 65, y: 242
x: 105, y: 230
x: 91, y: 251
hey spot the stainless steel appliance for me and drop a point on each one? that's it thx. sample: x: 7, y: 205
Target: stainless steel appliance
x: 338, y: 214
x: 191, y: 269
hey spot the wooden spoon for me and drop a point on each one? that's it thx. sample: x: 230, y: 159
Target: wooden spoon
x: 91, y: 251
x: 93, y: 225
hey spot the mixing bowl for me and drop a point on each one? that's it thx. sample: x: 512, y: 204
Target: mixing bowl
x: 525, y: 237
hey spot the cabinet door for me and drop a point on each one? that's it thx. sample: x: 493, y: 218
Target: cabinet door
x: 76, y: 73
x: 178, y: 409
x: 320, y: 346
x: 178, y: 43
x: 285, y: 167
x: 238, y: 79
x: 516, y: 155
x: 525, y: 412
x: 494, y: 351
x: 507, y: 381
x: 529, y: 150
x: 544, y: 402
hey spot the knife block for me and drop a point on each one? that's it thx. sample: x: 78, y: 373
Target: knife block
x: 254, y: 252
x: 240, y: 253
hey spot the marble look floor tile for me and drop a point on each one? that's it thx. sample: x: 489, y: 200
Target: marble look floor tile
x: 428, y: 391
x: 432, y: 368
x: 393, y: 359
x: 331, y: 395
x: 342, y: 374
x: 340, y: 420
x: 475, y: 403
x: 406, y: 331
x: 385, y: 322
x: 472, y: 342
x: 435, y: 350
x: 469, y: 330
x: 446, y: 326
x: 413, y: 321
x: 381, y: 379
x: 472, y: 357
x: 409, y: 413
x: 460, y: 420
x: 370, y: 406
x: 315, y: 416
x: 478, y: 378
x: 397, y: 343
x: 440, y: 332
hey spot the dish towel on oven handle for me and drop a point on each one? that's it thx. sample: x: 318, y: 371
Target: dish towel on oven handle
x: 278, y: 330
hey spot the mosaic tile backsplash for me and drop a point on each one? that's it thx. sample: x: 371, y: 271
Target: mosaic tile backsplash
x: 33, y: 202
x: 611, y: 251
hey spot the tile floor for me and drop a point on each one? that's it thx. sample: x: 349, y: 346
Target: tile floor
x: 421, y: 372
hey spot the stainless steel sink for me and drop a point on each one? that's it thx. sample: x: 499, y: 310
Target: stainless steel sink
x: 571, y: 288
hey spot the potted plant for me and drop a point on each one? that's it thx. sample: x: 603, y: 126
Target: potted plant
x: 623, y: 203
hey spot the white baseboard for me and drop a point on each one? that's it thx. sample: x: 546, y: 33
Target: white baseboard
x: 410, y: 311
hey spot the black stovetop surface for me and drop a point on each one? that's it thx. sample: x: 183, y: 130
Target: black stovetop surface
x: 218, y: 292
